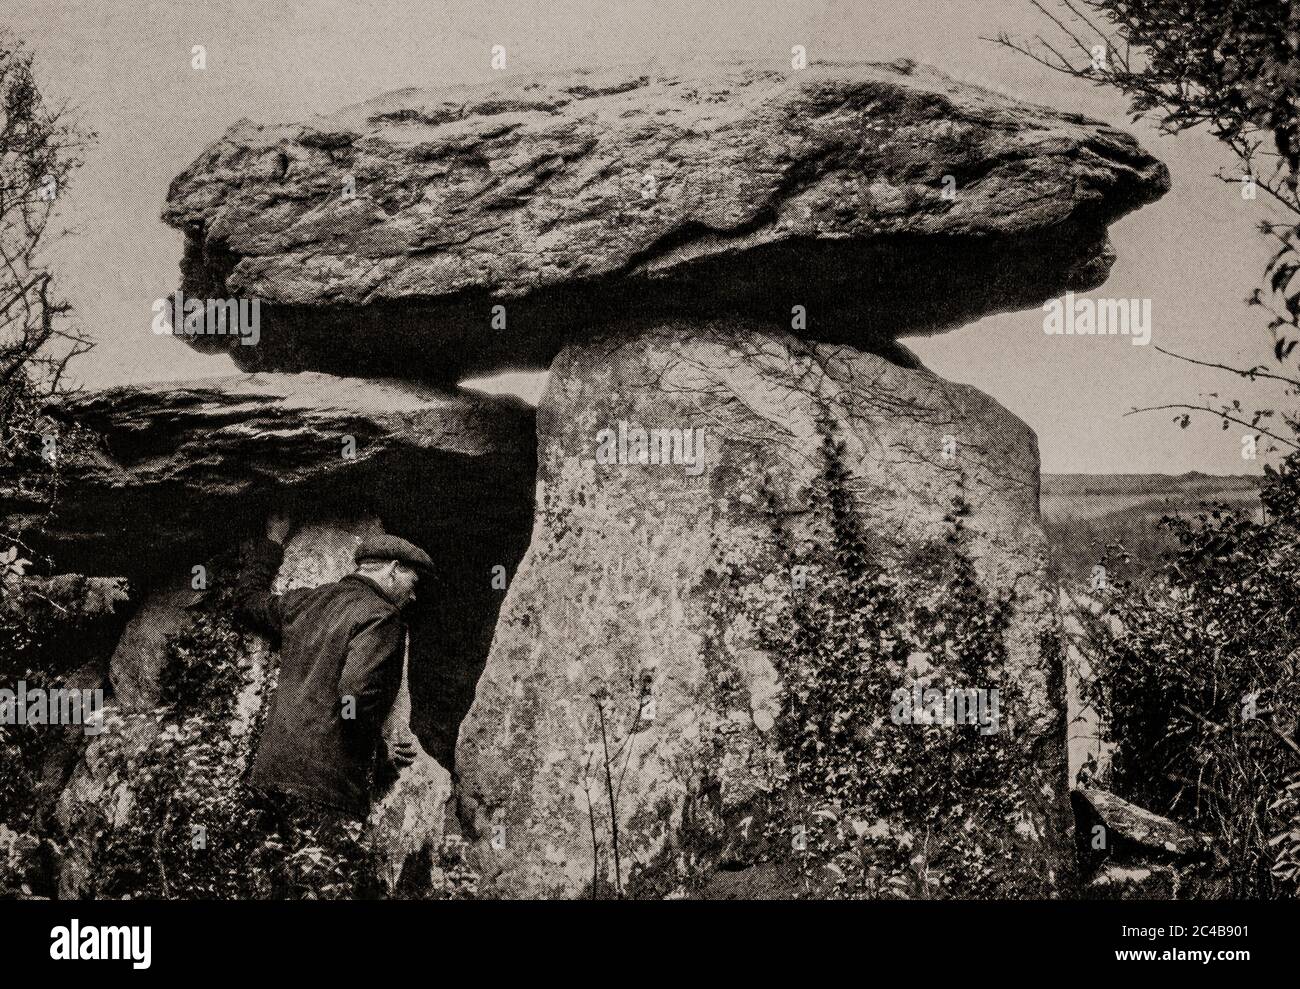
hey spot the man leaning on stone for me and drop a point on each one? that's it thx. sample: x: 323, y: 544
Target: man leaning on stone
x: 342, y: 646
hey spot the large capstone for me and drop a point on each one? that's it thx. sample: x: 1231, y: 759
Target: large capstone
x: 443, y: 232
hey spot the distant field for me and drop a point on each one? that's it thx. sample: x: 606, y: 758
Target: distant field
x: 1082, y: 513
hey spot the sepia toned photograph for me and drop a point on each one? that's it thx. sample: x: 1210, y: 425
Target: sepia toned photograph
x: 823, y: 463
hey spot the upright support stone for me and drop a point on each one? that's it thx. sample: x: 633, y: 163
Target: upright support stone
x: 630, y: 735
x: 408, y: 820
x: 138, y: 660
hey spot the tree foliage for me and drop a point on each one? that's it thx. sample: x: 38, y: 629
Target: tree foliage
x: 40, y: 625
x: 40, y: 148
x: 1231, y: 67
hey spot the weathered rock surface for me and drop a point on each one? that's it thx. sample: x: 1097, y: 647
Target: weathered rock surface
x: 885, y: 199
x: 141, y: 653
x: 623, y: 595
x: 408, y: 821
x: 180, y: 468
x: 1127, y: 823
x: 97, y: 805
x: 1126, y: 852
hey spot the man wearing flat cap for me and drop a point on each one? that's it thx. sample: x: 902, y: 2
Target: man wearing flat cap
x: 342, y: 646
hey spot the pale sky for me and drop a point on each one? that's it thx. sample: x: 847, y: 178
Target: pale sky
x: 126, y: 65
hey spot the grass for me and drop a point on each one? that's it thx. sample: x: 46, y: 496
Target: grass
x: 1083, y: 514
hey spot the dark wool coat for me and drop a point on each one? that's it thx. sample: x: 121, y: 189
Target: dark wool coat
x: 341, y: 653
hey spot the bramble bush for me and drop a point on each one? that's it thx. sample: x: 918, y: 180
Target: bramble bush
x: 1196, y: 678
x: 899, y: 810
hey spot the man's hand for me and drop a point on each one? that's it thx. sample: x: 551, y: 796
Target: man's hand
x: 402, y: 754
x: 278, y: 527
x: 394, y: 757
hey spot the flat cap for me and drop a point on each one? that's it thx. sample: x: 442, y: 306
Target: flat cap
x: 394, y: 548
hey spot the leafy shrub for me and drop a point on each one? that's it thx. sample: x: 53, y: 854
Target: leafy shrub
x: 900, y: 810
x: 19, y: 855
x: 1196, y: 678
x: 459, y: 880
x: 48, y: 628
x: 205, y: 669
